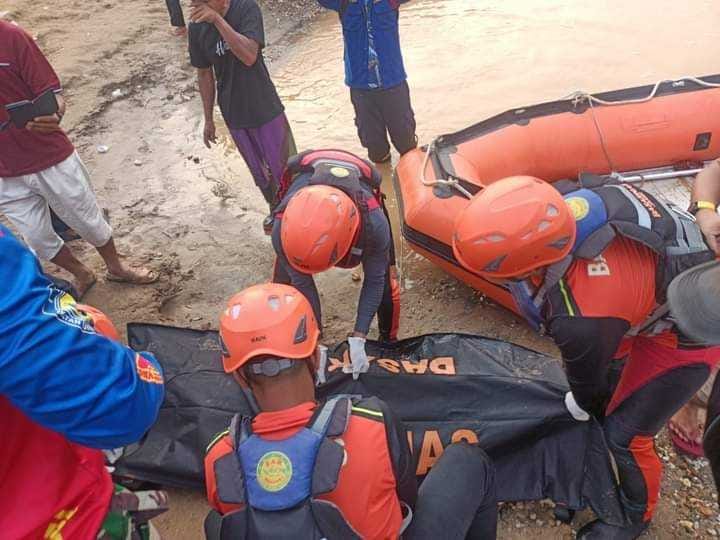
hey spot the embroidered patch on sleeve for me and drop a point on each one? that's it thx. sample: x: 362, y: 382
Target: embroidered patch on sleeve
x: 146, y: 371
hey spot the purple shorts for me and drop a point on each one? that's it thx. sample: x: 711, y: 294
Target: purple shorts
x: 266, y: 150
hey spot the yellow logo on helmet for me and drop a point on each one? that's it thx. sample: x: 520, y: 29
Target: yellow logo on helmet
x: 339, y: 172
x: 274, y: 471
x: 579, y: 207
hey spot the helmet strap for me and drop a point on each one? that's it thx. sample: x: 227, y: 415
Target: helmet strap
x: 250, y: 399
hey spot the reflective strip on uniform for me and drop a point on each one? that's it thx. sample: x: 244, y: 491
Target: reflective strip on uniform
x: 216, y: 439
x: 379, y: 414
x: 566, y: 297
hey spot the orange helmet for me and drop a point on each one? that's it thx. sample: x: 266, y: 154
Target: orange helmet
x: 318, y: 228
x: 102, y: 323
x: 513, y: 227
x: 269, y: 319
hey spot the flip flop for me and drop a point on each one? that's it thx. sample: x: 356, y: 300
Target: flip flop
x: 688, y: 448
x: 152, y: 277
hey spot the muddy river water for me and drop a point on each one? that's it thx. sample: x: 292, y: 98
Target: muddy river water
x: 470, y: 59
x: 198, y: 215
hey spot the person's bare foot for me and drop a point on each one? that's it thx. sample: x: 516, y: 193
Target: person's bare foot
x: 133, y: 275
x: 179, y: 31
x: 689, y: 422
x: 83, y: 282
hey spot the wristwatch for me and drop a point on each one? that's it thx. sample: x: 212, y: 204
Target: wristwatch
x: 696, y: 206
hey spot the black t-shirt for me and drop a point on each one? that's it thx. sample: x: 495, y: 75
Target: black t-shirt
x: 246, y: 94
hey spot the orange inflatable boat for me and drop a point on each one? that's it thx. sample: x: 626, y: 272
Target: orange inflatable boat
x: 655, y: 136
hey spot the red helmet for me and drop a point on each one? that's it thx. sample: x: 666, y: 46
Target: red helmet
x: 318, y: 228
x: 269, y: 319
x: 102, y: 323
x: 512, y: 227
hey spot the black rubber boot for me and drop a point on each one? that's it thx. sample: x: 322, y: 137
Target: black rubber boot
x: 597, y: 530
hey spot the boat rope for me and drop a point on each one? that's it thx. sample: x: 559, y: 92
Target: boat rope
x: 580, y: 96
x: 451, y: 181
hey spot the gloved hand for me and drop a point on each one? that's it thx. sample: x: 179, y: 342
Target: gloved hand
x: 359, y: 362
x: 322, y: 365
x: 574, y: 409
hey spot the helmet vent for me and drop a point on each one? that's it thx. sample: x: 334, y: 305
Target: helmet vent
x: 274, y: 303
x: 235, y: 311
x: 543, y: 225
x: 552, y: 211
x: 301, y: 332
x: 289, y: 298
x: 494, y: 265
x: 495, y: 237
x: 560, y: 243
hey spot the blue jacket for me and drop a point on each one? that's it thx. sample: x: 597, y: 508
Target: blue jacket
x: 372, y: 42
x: 58, y: 371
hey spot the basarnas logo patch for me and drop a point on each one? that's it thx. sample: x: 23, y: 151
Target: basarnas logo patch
x: 579, y: 207
x: 274, y: 471
x: 63, y: 307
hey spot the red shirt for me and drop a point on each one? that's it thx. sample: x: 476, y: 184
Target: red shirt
x: 366, y: 490
x: 25, y: 73
x: 51, y: 488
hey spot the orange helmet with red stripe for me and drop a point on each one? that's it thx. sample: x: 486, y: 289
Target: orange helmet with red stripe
x: 318, y: 228
x: 513, y: 227
x: 269, y: 319
x: 102, y: 323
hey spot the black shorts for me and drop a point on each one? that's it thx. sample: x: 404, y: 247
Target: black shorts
x: 382, y: 111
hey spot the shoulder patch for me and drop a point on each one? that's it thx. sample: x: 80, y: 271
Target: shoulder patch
x: 147, y: 371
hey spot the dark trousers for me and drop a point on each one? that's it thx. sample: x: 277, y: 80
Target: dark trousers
x: 382, y: 111
x: 175, y: 11
x: 711, y: 441
x: 655, y: 383
x: 457, y: 499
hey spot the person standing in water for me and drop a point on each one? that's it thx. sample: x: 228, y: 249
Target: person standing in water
x: 375, y: 73
x: 226, y: 39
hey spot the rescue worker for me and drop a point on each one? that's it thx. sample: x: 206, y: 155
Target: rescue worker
x: 331, y: 214
x: 65, y: 392
x: 339, y: 469
x: 592, y: 266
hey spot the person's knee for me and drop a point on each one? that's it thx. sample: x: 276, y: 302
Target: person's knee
x: 473, y: 462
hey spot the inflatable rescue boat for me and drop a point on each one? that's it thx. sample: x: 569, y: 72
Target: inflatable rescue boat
x: 656, y: 137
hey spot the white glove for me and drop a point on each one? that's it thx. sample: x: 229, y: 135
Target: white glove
x: 574, y: 409
x: 322, y: 364
x: 358, y: 358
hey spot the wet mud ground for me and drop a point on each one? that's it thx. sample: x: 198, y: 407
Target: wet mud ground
x: 194, y: 214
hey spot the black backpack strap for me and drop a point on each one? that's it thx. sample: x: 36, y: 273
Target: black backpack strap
x: 330, y: 421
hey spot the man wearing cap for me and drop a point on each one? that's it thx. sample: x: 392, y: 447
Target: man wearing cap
x: 226, y: 40
x: 68, y: 388
x: 687, y: 426
x: 338, y: 469
x: 375, y: 73
x: 591, y: 263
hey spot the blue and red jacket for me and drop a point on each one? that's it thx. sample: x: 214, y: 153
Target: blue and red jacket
x: 65, y: 391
